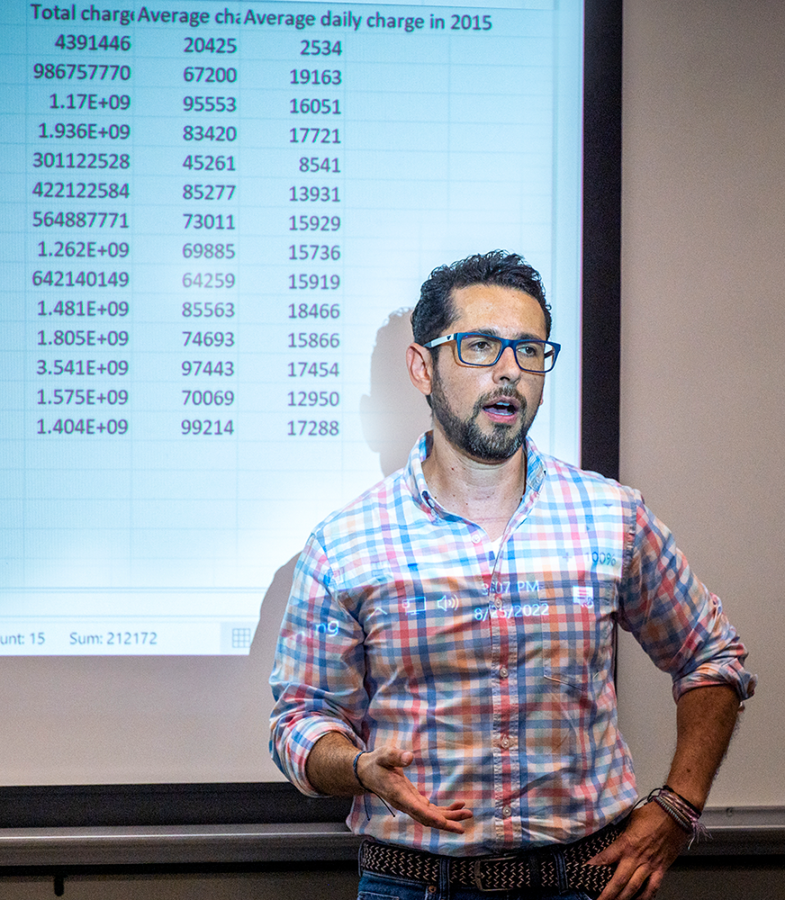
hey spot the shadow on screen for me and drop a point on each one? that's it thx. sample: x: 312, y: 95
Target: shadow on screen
x: 395, y: 413
x: 393, y: 416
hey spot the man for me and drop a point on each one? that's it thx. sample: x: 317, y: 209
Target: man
x: 447, y: 651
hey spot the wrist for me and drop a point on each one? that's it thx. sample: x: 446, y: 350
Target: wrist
x: 680, y: 811
x: 366, y: 790
x: 356, y: 770
x: 697, y: 808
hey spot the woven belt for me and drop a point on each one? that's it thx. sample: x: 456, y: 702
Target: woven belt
x: 561, y: 867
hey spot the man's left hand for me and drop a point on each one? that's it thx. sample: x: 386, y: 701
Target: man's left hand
x: 642, y: 854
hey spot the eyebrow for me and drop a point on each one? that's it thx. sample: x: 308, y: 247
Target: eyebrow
x: 494, y: 332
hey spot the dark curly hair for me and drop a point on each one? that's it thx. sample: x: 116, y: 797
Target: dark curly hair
x: 435, y: 310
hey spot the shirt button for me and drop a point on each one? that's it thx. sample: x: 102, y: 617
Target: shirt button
x: 503, y: 672
x: 506, y: 812
x: 504, y: 741
x: 476, y: 538
x: 497, y: 602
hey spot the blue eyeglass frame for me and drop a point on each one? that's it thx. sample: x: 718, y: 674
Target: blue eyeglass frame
x: 505, y: 343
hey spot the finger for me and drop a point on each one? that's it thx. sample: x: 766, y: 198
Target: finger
x: 459, y: 815
x: 454, y: 827
x: 634, y: 885
x: 653, y: 886
x: 445, y: 813
x: 625, y: 884
x: 423, y: 811
x: 459, y: 811
x: 456, y: 810
x: 607, y: 857
x: 435, y: 820
x: 610, y: 855
x: 613, y: 889
x: 393, y: 757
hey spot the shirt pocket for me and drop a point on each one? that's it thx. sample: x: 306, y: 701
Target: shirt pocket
x: 576, y: 636
x: 566, y: 658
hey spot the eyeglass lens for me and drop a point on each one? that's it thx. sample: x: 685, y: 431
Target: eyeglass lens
x: 483, y: 350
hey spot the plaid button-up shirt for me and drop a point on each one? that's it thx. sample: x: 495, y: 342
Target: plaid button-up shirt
x: 406, y: 626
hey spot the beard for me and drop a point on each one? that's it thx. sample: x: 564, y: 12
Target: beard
x: 500, y: 444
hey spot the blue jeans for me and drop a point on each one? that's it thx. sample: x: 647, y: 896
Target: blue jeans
x: 382, y: 887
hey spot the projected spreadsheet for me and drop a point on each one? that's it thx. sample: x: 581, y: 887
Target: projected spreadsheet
x: 209, y: 212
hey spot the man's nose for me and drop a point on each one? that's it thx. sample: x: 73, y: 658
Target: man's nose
x: 506, y: 367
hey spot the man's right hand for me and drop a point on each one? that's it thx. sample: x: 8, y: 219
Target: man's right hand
x: 381, y: 771
x: 329, y: 769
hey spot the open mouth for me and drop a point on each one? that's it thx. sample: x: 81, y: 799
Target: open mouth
x: 503, y: 408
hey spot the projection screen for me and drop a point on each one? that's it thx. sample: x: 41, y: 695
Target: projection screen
x: 215, y: 219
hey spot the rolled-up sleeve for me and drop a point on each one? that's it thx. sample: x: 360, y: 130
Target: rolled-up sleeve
x: 675, y: 618
x: 318, y: 675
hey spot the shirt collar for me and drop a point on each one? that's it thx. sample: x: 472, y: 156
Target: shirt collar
x: 535, y: 475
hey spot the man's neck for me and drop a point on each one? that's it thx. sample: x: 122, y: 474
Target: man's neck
x: 482, y: 492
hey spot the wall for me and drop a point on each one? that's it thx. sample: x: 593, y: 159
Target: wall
x: 703, y: 329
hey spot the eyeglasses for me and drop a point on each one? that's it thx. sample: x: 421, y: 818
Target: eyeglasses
x: 477, y: 349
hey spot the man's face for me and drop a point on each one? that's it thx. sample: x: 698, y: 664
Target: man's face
x: 487, y: 411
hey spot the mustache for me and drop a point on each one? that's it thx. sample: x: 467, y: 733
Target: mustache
x: 505, y: 393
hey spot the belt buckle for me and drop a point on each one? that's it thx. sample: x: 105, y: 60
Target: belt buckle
x: 477, y: 874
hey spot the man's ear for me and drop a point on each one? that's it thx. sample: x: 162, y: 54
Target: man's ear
x: 419, y: 362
